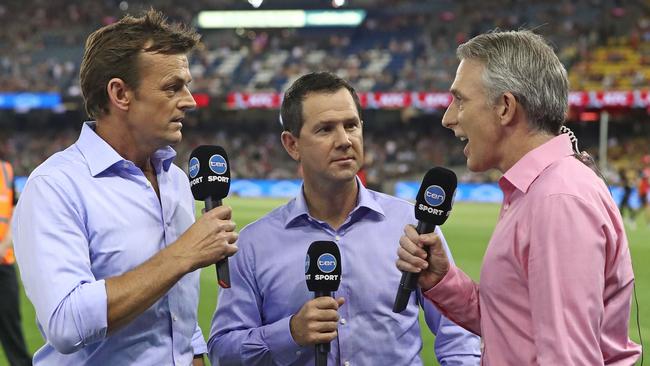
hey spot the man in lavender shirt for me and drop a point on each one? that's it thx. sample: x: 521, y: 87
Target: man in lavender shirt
x: 556, y: 281
x: 104, y: 231
x: 268, y: 316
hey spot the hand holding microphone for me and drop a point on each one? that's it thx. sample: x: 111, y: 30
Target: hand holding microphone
x: 209, y: 174
x: 423, y: 254
x: 316, y: 322
x: 210, y: 239
x: 432, y: 208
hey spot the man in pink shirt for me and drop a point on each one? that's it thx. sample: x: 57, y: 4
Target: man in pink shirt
x: 557, y: 280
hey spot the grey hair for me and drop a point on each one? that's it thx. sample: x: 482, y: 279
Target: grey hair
x: 524, y: 64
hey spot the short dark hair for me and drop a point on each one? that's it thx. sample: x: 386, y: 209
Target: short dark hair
x: 315, y: 82
x: 112, y: 52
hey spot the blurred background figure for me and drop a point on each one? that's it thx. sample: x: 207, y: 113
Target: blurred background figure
x: 644, y: 189
x: 627, y: 179
x: 11, y: 333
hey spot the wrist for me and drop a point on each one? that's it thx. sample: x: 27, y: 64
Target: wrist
x: 175, y: 260
x: 433, y: 278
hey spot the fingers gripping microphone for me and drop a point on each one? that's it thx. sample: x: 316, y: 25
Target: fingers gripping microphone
x: 432, y: 208
x: 323, y: 276
x: 209, y: 174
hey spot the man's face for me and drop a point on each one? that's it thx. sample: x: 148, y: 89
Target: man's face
x: 160, y: 102
x: 330, y: 146
x: 474, y: 119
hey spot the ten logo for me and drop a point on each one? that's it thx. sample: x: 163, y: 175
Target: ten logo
x: 326, y: 263
x: 434, y: 195
x: 194, y: 167
x: 218, y: 164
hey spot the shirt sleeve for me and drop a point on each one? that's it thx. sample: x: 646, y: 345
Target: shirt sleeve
x: 238, y: 335
x: 198, y: 342
x: 453, y: 344
x: 53, y: 257
x: 566, y: 267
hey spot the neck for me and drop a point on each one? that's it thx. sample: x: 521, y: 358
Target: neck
x: 521, y: 144
x: 331, y: 203
x: 122, y: 141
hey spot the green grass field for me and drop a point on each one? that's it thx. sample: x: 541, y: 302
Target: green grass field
x: 467, y: 232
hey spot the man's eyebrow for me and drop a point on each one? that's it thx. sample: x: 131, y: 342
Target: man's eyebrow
x: 455, y: 92
x: 331, y: 121
x: 174, y: 79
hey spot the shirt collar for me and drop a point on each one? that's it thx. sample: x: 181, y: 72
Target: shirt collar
x: 528, y: 168
x: 297, y: 209
x: 100, y: 155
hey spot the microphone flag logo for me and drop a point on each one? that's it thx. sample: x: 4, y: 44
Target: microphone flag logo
x: 218, y: 164
x: 434, y: 195
x: 326, y: 263
x: 194, y: 167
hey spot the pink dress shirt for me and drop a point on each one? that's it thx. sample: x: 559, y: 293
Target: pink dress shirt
x: 556, y: 281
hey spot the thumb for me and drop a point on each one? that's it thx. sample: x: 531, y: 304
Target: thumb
x: 340, y: 301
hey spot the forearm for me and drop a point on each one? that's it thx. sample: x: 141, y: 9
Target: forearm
x: 130, y: 294
x: 457, y: 298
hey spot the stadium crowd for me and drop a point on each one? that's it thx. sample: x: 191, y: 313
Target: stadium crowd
x: 392, y: 152
x: 400, y: 46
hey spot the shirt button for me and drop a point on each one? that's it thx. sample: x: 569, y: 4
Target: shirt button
x: 337, y: 238
x: 125, y: 164
x: 343, y: 321
x: 298, y: 353
x: 148, y: 184
x: 347, y: 363
x: 174, y: 318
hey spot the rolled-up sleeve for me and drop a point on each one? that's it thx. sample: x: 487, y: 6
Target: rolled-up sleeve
x: 198, y: 342
x: 53, y: 257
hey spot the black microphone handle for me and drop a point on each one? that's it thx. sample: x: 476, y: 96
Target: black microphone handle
x: 223, y: 271
x: 409, y: 281
x: 322, y: 349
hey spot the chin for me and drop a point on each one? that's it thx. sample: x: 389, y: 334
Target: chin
x: 175, y: 139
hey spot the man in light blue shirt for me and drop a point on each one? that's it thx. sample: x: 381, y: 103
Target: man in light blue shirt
x: 104, y: 231
x: 269, y: 317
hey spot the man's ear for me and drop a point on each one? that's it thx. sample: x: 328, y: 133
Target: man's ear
x: 290, y: 143
x: 507, y: 108
x: 119, y: 94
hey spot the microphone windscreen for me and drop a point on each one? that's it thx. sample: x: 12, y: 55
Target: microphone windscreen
x: 209, y: 172
x: 323, y: 266
x: 436, y: 195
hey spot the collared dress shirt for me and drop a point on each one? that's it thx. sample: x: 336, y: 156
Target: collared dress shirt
x: 556, y: 281
x: 87, y: 214
x: 251, y: 323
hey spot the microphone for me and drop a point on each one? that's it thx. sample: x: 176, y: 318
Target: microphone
x: 209, y: 174
x: 432, y: 208
x: 323, y: 276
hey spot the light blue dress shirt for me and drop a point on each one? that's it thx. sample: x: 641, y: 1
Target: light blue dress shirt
x: 251, y: 323
x: 87, y: 214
